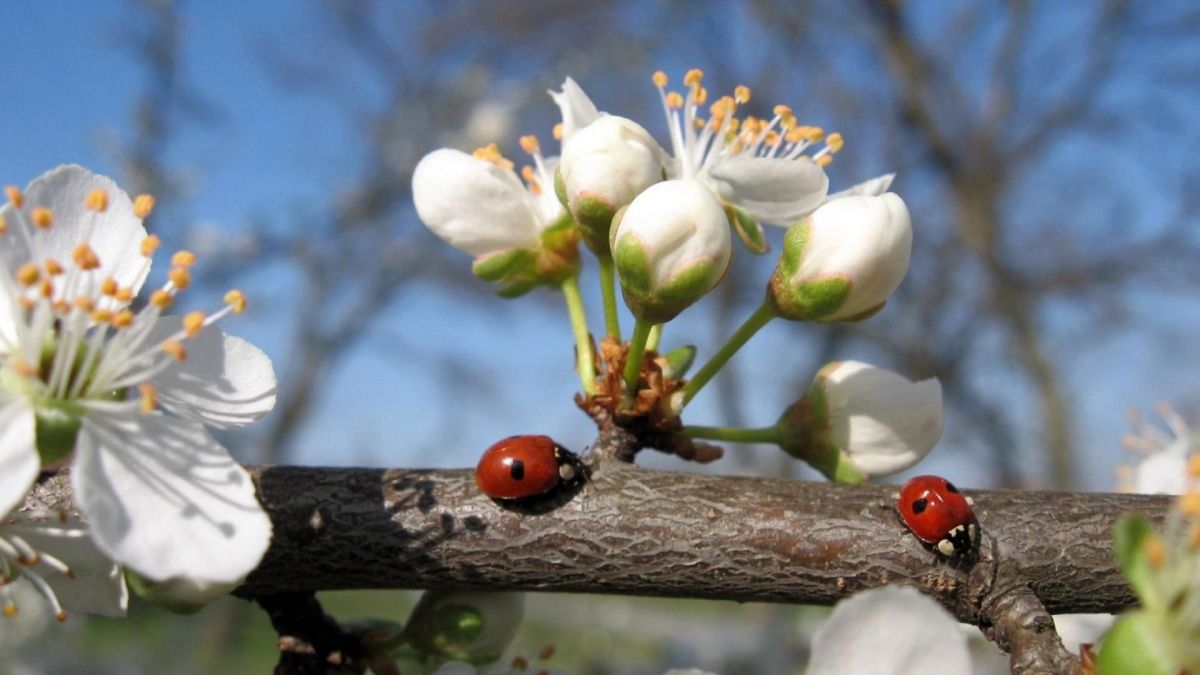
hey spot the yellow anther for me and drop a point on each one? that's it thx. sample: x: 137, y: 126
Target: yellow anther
x: 10, y: 609
x: 527, y: 174
x: 28, y: 274
x: 150, y: 245
x: 1189, y: 504
x: 161, y: 299
x: 772, y: 137
x: 788, y: 122
x: 15, y: 196
x: 693, y: 77
x: 102, y: 316
x: 193, y: 323
x: 175, y: 349
x: 741, y: 94
x: 674, y: 100
x: 61, y: 306
x: 659, y: 78
x: 149, y: 398
x: 237, y: 300
x: 3, y: 225
x: 824, y: 160
x: 183, y: 259
x: 782, y: 110
x: 813, y: 134
x: 1155, y: 550
x: 834, y: 142
x: 60, y: 616
x: 1193, y: 466
x: 46, y: 288
x: 143, y: 205
x: 558, y: 131
x: 53, y: 267
x: 124, y: 294
x: 85, y: 257
x: 529, y: 143
x: 123, y: 319
x: 795, y: 135
x: 699, y: 95
x: 180, y: 277
x: 97, y: 200
x: 23, y: 368
x: 84, y: 303
x: 109, y: 287
x: 698, y: 123
x: 42, y: 218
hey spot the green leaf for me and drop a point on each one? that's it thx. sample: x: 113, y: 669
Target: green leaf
x: 1137, y: 644
x: 748, y: 230
x: 1129, y: 538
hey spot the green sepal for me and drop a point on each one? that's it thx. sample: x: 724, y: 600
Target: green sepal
x: 560, y: 189
x: 1137, y: 644
x: 1129, y: 547
x: 594, y: 215
x: 516, y: 288
x: 496, y: 266
x: 807, y: 300
x: 56, y: 430
x: 748, y: 230
x: 678, y: 361
x: 153, y: 592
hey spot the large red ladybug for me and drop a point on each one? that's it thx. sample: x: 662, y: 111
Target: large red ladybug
x: 938, y: 514
x: 525, y: 466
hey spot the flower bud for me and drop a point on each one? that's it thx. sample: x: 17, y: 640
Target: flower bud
x: 603, y: 167
x: 671, y: 246
x: 472, y: 626
x: 858, y: 421
x: 844, y: 261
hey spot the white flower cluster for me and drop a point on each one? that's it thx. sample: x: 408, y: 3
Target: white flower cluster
x: 95, y: 379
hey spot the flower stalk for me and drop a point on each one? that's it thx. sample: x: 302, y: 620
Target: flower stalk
x: 633, y: 361
x: 608, y: 291
x: 761, y: 317
x: 584, y: 359
x: 734, y: 434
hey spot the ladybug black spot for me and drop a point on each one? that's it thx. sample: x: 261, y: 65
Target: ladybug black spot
x: 918, y: 505
x: 950, y: 487
x: 517, y: 470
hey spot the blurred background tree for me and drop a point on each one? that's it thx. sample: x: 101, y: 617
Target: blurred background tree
x: 1044, y: 149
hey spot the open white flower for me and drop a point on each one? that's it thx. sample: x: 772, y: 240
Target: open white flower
x: 1161, y: 468
x: 858, y: 421
x: 844, y: 261
x: 126, y: 394
x: 892, y: 630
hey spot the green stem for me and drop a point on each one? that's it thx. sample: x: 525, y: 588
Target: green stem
x: 655, y: 337
x: 761, y: 317
x: 608, y: 289
x: 633, y: 361
x: 734, y: 434
x: 584, y: 361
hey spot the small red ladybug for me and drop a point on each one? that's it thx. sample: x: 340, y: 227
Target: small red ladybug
x: 938, y: 514
x: 525, y: 466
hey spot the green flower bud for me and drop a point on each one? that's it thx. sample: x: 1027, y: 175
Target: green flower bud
x: 472, y: 626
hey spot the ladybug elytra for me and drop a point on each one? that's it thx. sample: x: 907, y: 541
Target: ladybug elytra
x: 525, y: 466
x: 938, y: 514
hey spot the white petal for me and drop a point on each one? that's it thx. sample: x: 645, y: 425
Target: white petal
x: 166, y: 499
x: 473, y: 205
x: 872, y: 187
x: 889, y: 631
x: 98, y: 587
x: 18, y: 454
x: 776, y: 191
x: 32, y: 619
x: 116, y: 234
x: 578, y: 111
x: 1163, y: 472
x: 225, y: 382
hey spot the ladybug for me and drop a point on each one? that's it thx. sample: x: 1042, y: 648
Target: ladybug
x: 938, y: 514
x: 519, y: 467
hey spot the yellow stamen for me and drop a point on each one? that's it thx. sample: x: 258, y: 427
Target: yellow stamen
x: 123, y: 319
x: 558, y: 131
x: 53, y: 267
x: 109, y: 287
x: 782, y: 110
x: 180, y: 277
x: 193, y: 323
x: 1193, y: 466
x: 183, y: 259
x: 529, y: 143
x: 149, y: 400
x: 698, y: 123
x: 741, y: 94
x: 161, y: 299
x: 795, y: 135
x: 102, y: 316
x: 175, y: 349
x: 10, y: 610
x: 84, y: 303
x: 659, y: 78
x: 237, y: 300
x: 3, y: 225
x: 699, y: 95
x: 693, y: 77
x: 85, y: 257
x: 150, y: 245
x: 61, y: 306
x: 28, y: 274
x: 15, y: 196
x: 527, y: 174
x: 1155, y: 550
x: 813, y: 134
x: 143, y: 206
x: 834, y: 142
x: 60, y: 616
x: 47, y: 288
x: 674, y: 100
x: 124, y: 294
x: 491, y: 153
x: 42, y: 218
x: 22, y: 368
x: 824, y: 160
x: 1189, y: 504
x: 97, y: 200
